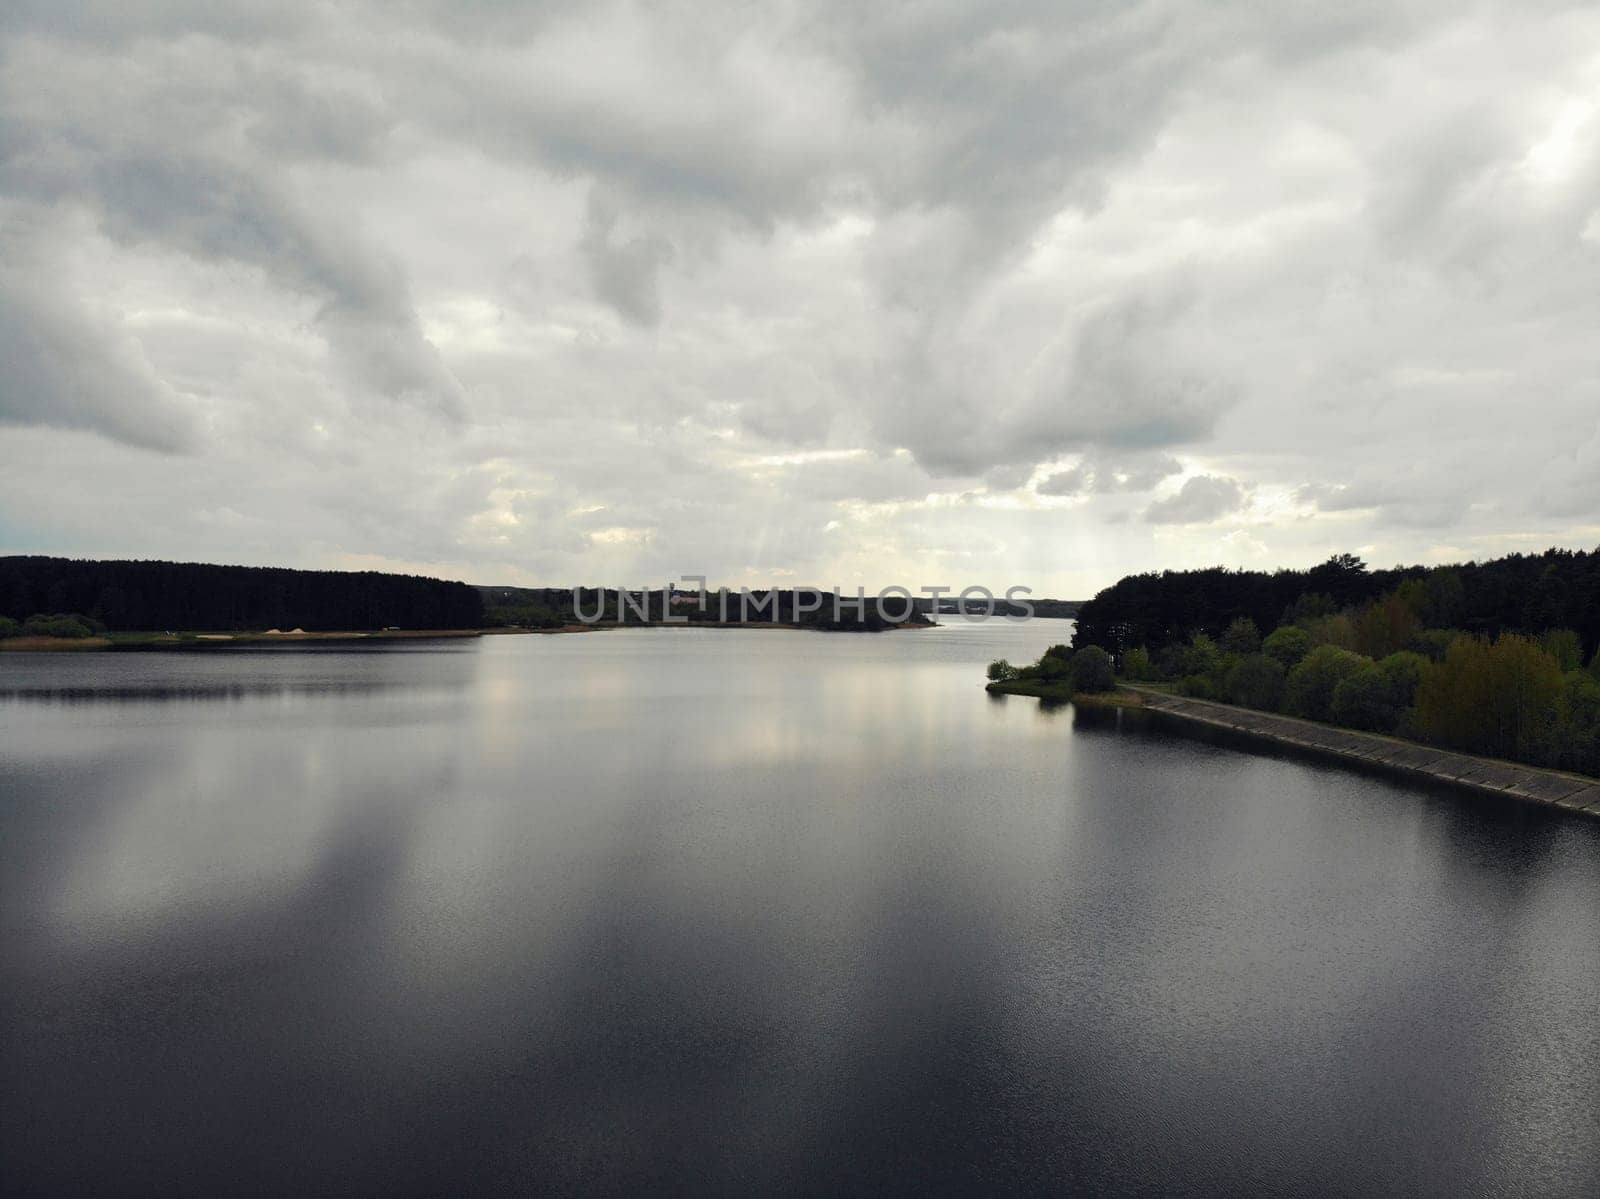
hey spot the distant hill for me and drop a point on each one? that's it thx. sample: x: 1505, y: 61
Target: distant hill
x: 553, y: 607
x: 1054, y: 609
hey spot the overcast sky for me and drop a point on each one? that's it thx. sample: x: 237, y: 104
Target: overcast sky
x: 1019, y: 291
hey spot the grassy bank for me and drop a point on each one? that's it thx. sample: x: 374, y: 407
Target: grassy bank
x: 1063, y: 692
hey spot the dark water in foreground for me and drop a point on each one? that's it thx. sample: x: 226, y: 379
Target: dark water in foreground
x: 754, y: 912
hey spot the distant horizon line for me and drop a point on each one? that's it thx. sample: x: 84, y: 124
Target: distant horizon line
x: 736, y: 587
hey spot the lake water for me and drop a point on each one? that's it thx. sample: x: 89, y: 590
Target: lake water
x: 755, y: 912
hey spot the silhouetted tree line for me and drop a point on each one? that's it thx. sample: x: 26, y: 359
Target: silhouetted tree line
x: 1520, y: 593
x: 140, y: 596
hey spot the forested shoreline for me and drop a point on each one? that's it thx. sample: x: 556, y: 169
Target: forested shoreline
x: 1500, y: 658
x: 68, y: 597
x: 1527, y: 593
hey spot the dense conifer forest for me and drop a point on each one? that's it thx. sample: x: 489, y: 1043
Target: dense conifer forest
x: 146, y: 596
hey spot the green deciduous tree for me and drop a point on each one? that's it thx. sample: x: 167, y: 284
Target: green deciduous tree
x: 60, y: 625
x: 1288, y: 644
x: 1001, y: 671
x: 1308, y: 690
x: 1578, y: 744
x: 1200, y: 656
x: 1053, y: 667
x: 1386, y: 625
x: 1091, y: 670
x: 1365, y: 699
x: 1404, y: 671
x: 1500, y: 698
x: 1564, y: 646
x: 1336, y: 630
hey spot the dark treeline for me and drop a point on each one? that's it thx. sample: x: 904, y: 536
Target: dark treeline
x: 146, y: 596
x: 1558, y: 589
x: 1487, y: 657
x: 554, y: 607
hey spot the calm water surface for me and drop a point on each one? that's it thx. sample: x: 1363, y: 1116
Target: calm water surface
x: 754, y: 912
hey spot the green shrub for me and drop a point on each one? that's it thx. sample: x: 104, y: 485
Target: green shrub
x: 1404, y: 670
x: 1256, y: 681
x: 1001, y: 671
x: 8, y: 627
x: 1091, y: 670
x: 1308, y: 691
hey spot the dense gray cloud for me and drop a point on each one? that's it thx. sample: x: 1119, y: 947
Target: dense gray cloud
x: 558, y: 290
x: 623, y: 273
x: 1201, y: 499
x: 157, y: 143
x: 65, y: 365
x: 1106, y: 477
